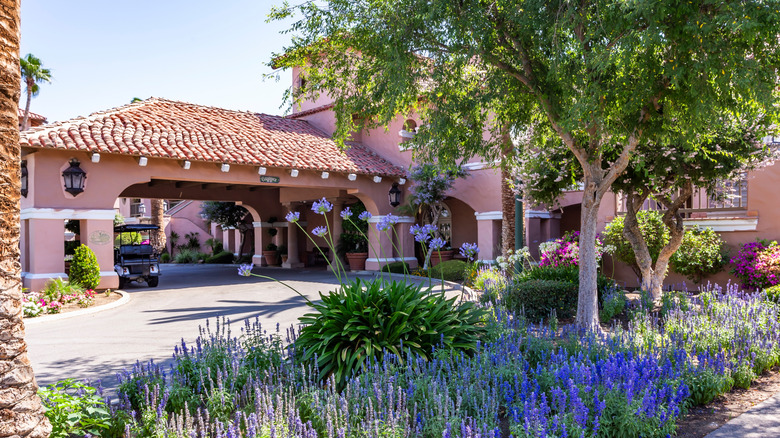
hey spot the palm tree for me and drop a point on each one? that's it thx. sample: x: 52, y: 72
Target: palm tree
x: 33, y: 74
x: 158, y: 218
x: 21, y: 411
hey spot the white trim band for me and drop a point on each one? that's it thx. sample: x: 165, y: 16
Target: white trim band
x: 66, y: 213
x: 489, y: 216
x: 726, y: 224
x: 479, y: 165
x: 401, y: 219
x: 32, y: 276
x: 390, y: 259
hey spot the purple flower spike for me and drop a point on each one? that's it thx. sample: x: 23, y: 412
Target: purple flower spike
x: 346, y: 213
x: 437, y: 243
x: 245, y: 270
x: 319, y: 231
x: 322, y: 206
x: 293, y: 216
x: 364, y: 216
x: 469, y: 251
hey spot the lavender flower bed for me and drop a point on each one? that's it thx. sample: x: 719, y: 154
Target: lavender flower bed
x: 523, y: 380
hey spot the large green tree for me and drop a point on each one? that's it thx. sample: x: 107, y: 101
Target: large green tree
x: 21, y: 411
x: 33, y: 74
x: 229, y: 215
x: 603, y: 77
x: 667, y: 174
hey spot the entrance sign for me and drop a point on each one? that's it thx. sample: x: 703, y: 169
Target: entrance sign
x: 269, y: 179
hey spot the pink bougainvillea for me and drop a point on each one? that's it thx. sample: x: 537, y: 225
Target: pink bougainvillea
x: 565, y: 251
x: 757, y: 264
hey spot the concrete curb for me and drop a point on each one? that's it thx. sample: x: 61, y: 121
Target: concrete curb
x: 57, y: 316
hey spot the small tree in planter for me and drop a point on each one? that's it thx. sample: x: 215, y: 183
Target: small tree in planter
x: 430, y: 185
x: 84, y: 268
x: 228, y: 214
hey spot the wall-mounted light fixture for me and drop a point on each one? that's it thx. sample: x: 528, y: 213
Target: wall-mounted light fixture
x: 325, y: 175
x: 352, y: 176
x: 142, y: 161
x: 95, y: 157
x: 225, y: 167
x: 377, y: 179
x: 394, y: 195
x: 186, y: 164
x: 25, y: 180
x: 74, y: 178
x: 402, y: 181
x: 294, y: 173
x: 261, y: 170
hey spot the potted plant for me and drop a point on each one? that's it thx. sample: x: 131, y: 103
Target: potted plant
x: 270, y: 254
x: 441, y: 255
x: 282, y: 250
x: 353, y: 242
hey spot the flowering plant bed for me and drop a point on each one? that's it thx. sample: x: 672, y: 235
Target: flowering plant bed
x: 34, y: 305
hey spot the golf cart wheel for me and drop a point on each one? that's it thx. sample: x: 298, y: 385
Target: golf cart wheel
x: 153, y: 281
x: 122, y: 282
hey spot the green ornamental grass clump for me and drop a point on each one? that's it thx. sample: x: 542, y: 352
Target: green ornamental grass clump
x: 364, y: 320
x: 84, y: 268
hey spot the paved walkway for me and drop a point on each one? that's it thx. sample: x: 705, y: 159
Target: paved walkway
x: 761, y: 421
x: 98, y: 345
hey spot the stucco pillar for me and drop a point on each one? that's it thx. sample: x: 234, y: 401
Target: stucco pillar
x: 405, y: 241
x: 489, y: 234
x: 380, y: 247
x: 46, y: 255
x: 293, y: 254
x: 237, y: 242
x: 98, y: 235
x: 228, y: 239
x: 336, y: 228
x: 262, y: 238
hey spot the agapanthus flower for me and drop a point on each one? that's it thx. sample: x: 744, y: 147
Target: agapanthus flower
x: 346, y: 213
x: 322, y: 206
x: 437, y: 243
x: 469, y: 251
x: 245, y: 270
x: 293, y: 216
x: 319, y: 231
x: 386, y: 222
x: 364, y: 216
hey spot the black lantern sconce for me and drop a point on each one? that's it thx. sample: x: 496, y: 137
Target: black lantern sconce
x: 394, y: 195
x: 74, y: 178
x: 25, y: 180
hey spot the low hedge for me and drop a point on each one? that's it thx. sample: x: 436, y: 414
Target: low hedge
x: 538, y: 297
x: 451, y: 270
x: 223, y: 257
x: 397, y: 268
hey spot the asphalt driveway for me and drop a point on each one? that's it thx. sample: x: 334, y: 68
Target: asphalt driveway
x: 98, y: 345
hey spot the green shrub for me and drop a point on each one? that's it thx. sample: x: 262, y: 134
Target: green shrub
x: 364, y: 319
x: 773, y: 293
x: 613, y: 305
x: 131, y: 238
x: 84, y: 268
x: 653, y: 230
x: 702, y: 252
x: 221, y: 257
x: 165, y: 258
x: 565, y: 273
x: 75, y: 409
x: 397, y: 268
x: 70, y: 246
x: 451, y: 270
x: 538, y: 297
x: 57, y: 287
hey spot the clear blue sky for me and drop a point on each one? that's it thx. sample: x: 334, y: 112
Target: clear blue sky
x: 103, y: 53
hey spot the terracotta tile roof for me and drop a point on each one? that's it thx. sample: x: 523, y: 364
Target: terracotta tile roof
x: 310, y: 111
x: 170, y: 129
x: 33, y: 116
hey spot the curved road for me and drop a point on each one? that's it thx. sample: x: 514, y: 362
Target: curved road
x: 96, y: 346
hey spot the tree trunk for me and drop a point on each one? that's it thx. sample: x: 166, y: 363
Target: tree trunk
x: 158, y: 218
x: 587, y: 303
x: 507, y: 202
x: 653, y: 275
x: 21, y: 411
x: 23, y: 126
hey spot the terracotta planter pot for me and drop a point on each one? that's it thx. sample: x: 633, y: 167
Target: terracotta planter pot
x: 270, y: 257
x: 440, y: 256
x: 357, y: 260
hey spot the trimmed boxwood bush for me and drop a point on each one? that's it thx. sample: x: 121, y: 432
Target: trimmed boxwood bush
x: 84, y: 268
x: 538, y: 297
x: 363, y: 320
x: 565, y: 273
x: 451, y: 270
x: 397, y: 268
x: 221, y: 257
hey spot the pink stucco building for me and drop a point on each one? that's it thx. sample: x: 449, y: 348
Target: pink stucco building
x: 186, y: 153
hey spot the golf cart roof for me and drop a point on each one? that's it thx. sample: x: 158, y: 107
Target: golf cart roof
x: 127, y: 228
